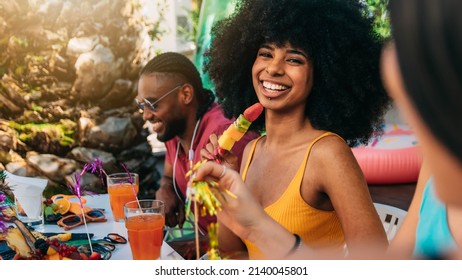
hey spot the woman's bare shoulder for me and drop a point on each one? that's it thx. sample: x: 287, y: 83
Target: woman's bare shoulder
x: 330, y: 146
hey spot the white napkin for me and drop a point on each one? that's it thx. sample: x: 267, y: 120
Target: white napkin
x: 28, y: 191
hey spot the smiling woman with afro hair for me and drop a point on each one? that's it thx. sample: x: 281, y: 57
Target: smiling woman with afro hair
x: 347, y: 96
x: 314, y: 67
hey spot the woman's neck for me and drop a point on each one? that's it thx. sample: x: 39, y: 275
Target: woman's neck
x: 279, y: 129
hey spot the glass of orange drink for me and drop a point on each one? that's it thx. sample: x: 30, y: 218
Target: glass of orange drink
x: 122, y: 188
x: 145, y: 220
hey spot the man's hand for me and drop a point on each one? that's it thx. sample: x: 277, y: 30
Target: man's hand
x: 174, y: 208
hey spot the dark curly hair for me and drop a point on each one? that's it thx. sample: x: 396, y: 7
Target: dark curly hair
x: 182, y: 69
x: 347, y: 97
x: 429, y: 47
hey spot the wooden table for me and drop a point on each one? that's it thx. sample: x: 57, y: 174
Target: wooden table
x: 397, y: 195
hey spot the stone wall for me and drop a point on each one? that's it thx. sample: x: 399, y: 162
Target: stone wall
x: 68, y: 71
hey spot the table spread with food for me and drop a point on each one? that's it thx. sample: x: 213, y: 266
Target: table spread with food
x: 64, y: 234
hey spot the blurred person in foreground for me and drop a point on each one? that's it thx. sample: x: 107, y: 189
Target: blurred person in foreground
x: 183, y: 114
x: 423, y: 73
x: 422, y: 70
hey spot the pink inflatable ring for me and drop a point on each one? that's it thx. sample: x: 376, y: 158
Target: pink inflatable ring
x: 392, y: 158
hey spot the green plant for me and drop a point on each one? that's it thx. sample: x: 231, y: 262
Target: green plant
x: 62, y: 132
x: 187, y: 33
x: 155, y: 30
x: 377, y: 9
x: 36, y: 108
x: 195, y: 16
x: 4, y: 187
x: 20, y: 41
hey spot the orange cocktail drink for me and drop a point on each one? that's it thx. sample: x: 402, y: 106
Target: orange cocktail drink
x: 121, y: 188
x: 145, y: 220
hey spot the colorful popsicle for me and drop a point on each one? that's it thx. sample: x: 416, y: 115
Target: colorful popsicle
x: 239, y: 127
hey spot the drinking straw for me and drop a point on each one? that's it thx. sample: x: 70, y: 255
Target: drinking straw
x: 130, y: 180
x: 196, y: 215
x: 196, y: 229
x: 2, y: 222
x: 97, y: 166
x: 76, y: 189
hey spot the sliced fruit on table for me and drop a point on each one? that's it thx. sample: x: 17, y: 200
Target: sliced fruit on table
x: 63, y: 206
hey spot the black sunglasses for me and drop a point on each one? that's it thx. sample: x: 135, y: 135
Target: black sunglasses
x: 115, y: 238
x: 110, y: 240
x: 152, y: 105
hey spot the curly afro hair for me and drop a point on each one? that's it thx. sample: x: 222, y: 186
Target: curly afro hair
x: 347, y: 97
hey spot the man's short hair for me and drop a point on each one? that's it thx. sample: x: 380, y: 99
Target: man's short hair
x: 171, y: 62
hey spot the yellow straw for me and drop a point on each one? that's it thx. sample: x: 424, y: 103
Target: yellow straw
x: 231, y: 194
x: 196, y: 229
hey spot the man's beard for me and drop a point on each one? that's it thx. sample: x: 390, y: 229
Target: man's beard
x: 173, y: 128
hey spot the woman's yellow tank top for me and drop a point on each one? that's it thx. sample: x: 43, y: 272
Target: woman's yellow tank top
x: 317, y: 228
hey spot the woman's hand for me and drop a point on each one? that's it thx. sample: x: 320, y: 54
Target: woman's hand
x: 242, y: 213
x: 213, y: 152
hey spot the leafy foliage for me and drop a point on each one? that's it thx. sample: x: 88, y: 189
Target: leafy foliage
x: 155, y: 29
x: 62, y: 132
x: 4, y: 187
x: 378, y: 10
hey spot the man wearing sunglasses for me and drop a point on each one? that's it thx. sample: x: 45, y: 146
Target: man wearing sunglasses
x: 184, y: 115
